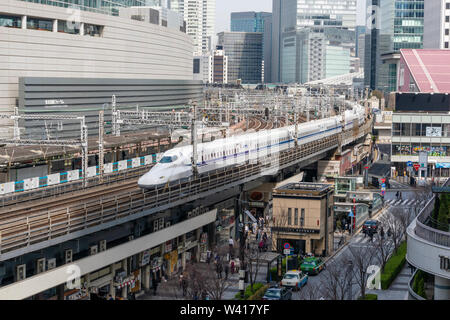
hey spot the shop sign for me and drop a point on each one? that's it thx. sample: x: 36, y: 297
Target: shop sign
x: 204, y: 237
x: 257, y: 204
x: 168, y: 246
x: 145, y: 257
x: 295, y: 230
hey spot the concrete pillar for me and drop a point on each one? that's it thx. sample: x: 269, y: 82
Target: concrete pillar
x: 441, y: 288
x: 87, y: 283
x: 145, y: 278
x: 183, y: 255
x: 198, y: 235
x: 82, y: 28
x: 125, y: 268
x: 112, y: 290
x: 24, y: 22
x: 55, y: 25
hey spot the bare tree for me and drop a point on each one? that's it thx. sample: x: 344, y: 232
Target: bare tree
x: 394, y: 226
x: 383, y: 247
x: 362, y: 257
x: 335, y: 279
x: 313, y: 291
x: 253, y: 259
x: 203, y: 279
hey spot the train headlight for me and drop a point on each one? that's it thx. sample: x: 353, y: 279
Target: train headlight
x: 160, y: 178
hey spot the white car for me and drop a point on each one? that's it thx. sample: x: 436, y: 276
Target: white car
x: 294, y: 279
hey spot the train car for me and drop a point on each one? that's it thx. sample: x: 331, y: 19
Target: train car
x: 246, y: 148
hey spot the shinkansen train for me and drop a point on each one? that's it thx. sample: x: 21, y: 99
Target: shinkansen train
x: 175, y: 164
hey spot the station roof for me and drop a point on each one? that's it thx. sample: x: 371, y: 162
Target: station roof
x: 429, y: 68
x: 17, y: 154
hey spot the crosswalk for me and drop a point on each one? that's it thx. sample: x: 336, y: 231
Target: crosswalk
x: 398, y: 185
x: 361, y: 239
x: 405, y: 202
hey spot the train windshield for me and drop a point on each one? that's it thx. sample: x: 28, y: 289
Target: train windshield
x: 167, y: 159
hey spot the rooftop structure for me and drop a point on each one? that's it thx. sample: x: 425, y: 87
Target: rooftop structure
x: 424, y: 71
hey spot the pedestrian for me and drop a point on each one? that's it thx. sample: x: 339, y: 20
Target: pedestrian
x: 227, y: 270
x: 219, y: 270
x: 110, y: 297
x: 208, y: 257
x: 184, y: 285
x: 254, y: 228
x: 264, y: 237
x: 155, y: 287
x: 371, y: 236
x: 261, y: 246
x: 401, y: 197
x: 382, y: 233
x: 232, y: 266
x: 180, y: 281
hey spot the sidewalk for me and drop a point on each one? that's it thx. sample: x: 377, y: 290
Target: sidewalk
x: 398, y: 289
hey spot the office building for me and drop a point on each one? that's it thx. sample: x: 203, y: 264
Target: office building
x: 257, y: 22
x: 248, y: 21
x: 211, y: 67
x: 436, y: 24
x: 360, y: 32
x: 76, y: 66
x: 244, y: 51
x: 200, y: 17
x: 303, y: 217
x: 394, y: 25
x: 303, y: 31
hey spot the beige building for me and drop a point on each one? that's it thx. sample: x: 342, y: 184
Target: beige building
x: 303, y: 217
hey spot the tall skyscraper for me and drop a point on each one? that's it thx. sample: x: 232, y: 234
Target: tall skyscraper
x: 391, y: 25
x: 244, y: 51
x: 200, y: 17
x: 251, y: 21
x: 436, y: 24
x: 305, y: 33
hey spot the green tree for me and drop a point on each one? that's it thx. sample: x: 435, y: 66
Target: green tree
x: 435, y: 213
x: 443, y: 214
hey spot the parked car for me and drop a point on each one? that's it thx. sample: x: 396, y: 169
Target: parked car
x: 370, y: 226
x: 294, y: 279
x: 312, y: 265
x: 277, y: 293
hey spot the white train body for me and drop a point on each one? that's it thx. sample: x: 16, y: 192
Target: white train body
x: 176, y: 163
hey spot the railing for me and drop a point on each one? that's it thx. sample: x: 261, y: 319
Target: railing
x: 44, y: 225
x: 410, y: 289
x: 428, y: 233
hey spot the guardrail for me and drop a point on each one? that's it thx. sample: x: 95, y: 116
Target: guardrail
x: 428, y: 233
x: 410, y: 289
x: 44, y: 225
x: 74, y: 175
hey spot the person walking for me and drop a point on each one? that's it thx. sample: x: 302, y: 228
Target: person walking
x: 231, y: 246
x: 155, y: 286
x: 382, y: 233
x: 184, y: 285
x: 227, y: 270
x: 232, y: 266
x: 220, y: 270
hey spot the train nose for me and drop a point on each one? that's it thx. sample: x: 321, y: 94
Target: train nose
x: 149, y: 180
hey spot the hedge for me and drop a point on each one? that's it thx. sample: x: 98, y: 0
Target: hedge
x: 393, y: 266
x: 369, y: 296
x: 259, y: 293
x: 273, y: 271
x: 419, y: 284
x: 248, y: 291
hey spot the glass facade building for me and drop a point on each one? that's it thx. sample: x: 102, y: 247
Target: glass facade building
x: 110, y: 7
x: 302, y: 32
x: 244, y: 51
x: 392, y: 25
x: 248, y: 21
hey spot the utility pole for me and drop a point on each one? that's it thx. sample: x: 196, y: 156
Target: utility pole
x: 194, y: 142
x: 101, y: 156
x: 243, y: 238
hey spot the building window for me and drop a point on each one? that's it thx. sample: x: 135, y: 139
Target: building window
x: 39, y: 24
x: 296, y: 216
x: 289, y: 216
x: 447, y: 32
x: 93, y: 30
x: 302, y: 218
x: 447, y: 19
x: 446, y: 44
x: 68, y: 27
x: 10, y: 21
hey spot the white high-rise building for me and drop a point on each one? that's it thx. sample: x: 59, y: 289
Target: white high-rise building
x: 200, y: 17
x: 436, y: 24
